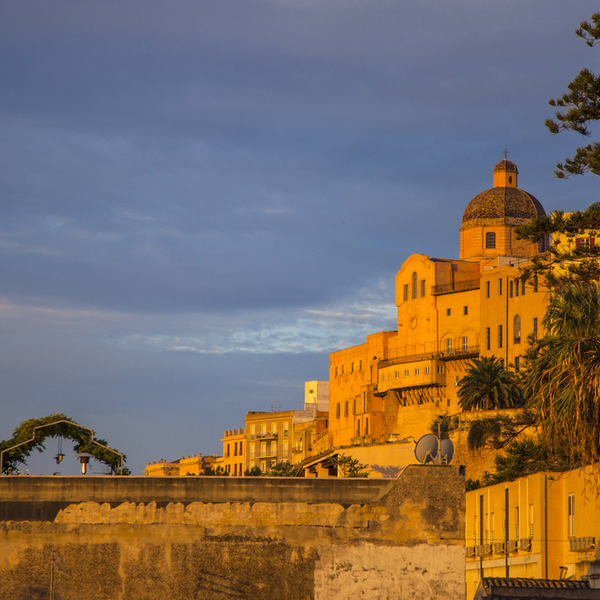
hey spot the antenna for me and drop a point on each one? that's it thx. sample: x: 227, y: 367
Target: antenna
x: 426, y: 450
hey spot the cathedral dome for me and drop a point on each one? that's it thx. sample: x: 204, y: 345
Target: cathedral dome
x: 504, y: 204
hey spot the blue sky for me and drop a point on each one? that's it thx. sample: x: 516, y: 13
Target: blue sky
x: 200, y: 200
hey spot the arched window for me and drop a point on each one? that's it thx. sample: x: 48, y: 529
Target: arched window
x: 414, y: 285
x: 510, y: 289
x: 490, y: 239
x: 517, y: 329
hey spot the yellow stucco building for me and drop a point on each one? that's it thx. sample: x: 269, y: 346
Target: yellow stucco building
x: 553, y: 525
x: 448, y: 311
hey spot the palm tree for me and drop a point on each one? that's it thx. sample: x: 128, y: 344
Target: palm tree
x: 562, y: 375
x: 488, y: 385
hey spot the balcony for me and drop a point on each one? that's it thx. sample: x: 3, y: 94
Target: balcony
x: 458, y: 286
x: 264, y: 436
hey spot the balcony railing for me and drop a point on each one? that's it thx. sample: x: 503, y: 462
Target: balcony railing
x: 262, y: 436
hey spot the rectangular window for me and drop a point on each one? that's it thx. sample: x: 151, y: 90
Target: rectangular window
x: 517, y: 523
x: 274, y: 428
x: 235, y: 470
x: 535, y: 284
x: 465, y: 310
x: 499, y: 287
x: 263, y: 428
x: 530, y: 521
x: 487, y: 338
x: 241, y: 448
x: 390, y: 376
x: 285, y: 428
x: 426, y: 370
x: 535, y: 326
x: 252, y: 432
x: 286, y: 448
x: 449, y: 345
x: 358, y: 428
x: 422, y: 288
x: 571, y: 515
x: 500, y: 336
x: 448, y: 312
x: 416, y: 371
x: 383, y: 377
x: 337, y: 410
x: 252, y: 450
x: 405, y: 292
x: 273, y: 448
x: 517, y: 364
x: 406, y: 372
x: 487, y: 289
x: 522, y: 288
x: 490, y: 240
x: 263, y: 448
x: 228, y: 451
x: 346, y: 408
x: 235, y: 448
x: 367, y: 426
x: 517, y: 283
x: 465, y: 343
x: 510, y: 289
x: 397, y: 374
x: 440, y: 369
x: 354, y: 406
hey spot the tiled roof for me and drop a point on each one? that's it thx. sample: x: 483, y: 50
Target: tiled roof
x: 502, y: 205
x: 506, y: 165
x: 520, y: 582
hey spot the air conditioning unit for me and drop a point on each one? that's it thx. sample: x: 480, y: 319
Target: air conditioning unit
x: 525, y: 544
x: 471, y: 551
x: 484, y: 550
x: 499, y: 548
x: 582, y: 544
x: 513, y: 546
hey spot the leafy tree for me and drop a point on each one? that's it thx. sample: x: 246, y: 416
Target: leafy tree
x: 564, y: 262
x: 488, y: 385
x: 55, y: 425
x: 283, y: 469
x: 582, y: 105
x: 218, y: 471
x: 562, y: 374
x: 253, y: 472
x: 348, y: 466
x: 495, y: 433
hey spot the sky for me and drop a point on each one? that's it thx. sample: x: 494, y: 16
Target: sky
x: 200, y: 200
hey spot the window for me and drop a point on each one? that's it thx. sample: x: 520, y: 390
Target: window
x: 406, y: 372
x: 465, y: 343
x: 571, y: 515
x: 490, y: 239
x: 487, y: 289
x: 241, y: 448
x: 346, y: 408
x: 465, y: 310
x: 517, y: 523
x: 263, y: 428
x: 440, y: 369
x: 263, y: 448
x: 405, y: 292
x: 582, y: 243
x: 499, y: 287
x: 535, y: 326
x: 517, y: 287
x: 416, y: 371
x: 397, y: 374
x: 535, y: 284
x: 426, y: 370
x: 273, y: 448
x: 285, y: 428
x: 422, y: 288
x: 252, y: 432
x: 488, y: 341
x: 541, y: 245
x: 510, y: 289
x: 530, y: 520
x: 263, y: 466
x: 286, y: 448
x: 274, y: 428
x: 448, y: 312
x: 383, y: 377
x: 235, y: 470
x: 337, y: 410
x: 517, y: 329
x: 354, y: 406
x: 336, y: 371
x: 389, y: 376
x: 414, y: 285
x: 228, y: 451
x: 449, y: 345
x: 367, y: 426
x: 235, y: 448
x: 522, y: 288
x: 500, y: 336
x: 358, y: 428
x: 517, y: 364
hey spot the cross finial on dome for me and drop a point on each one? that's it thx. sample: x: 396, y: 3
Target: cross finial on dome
x: 505, y: 154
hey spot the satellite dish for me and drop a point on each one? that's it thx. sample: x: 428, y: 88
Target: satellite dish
x: 446, y: 451
x: 426, y: 448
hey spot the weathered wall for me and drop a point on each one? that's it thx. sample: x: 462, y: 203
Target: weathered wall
x: 226, y: 538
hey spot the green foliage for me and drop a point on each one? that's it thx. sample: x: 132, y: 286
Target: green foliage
x: 581, y: 105
x: 488, y: 385
x: 283, y: 469
x: 562, y: 374
x: 498, y: 431
x: 524, y: 457
x: 348, y: 466
x: 218, y: 471
x: 443, y: 425
x: 253, y: 472
x: 66, y: 429
x: 563, y: 263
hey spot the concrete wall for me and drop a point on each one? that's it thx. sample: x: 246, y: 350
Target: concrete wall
x: 182, y: 538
